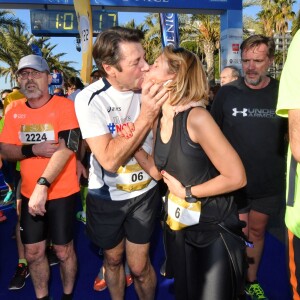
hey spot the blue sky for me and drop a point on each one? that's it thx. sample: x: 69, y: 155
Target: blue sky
x: 68, y: 45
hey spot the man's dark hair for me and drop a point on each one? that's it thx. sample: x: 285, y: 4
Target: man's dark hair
x: 106, y: 47
x: 258, y: 39
x: 6, y: 91
x: 74, y: 81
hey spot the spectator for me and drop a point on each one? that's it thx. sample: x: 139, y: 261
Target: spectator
x: 59, y: 92
x: 228, y: 74
x: 14, y: 95
x: 95, y: 75
x: 245, y: 112
x: 212, y: 92
x: 4, y: 93
x: 73, y: 86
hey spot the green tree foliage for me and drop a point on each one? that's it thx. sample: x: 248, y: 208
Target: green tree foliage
x: 15, y: 42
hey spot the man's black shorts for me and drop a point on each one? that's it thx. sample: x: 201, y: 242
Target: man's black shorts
x: 57, y: 223
x: 109, y: 222
x: 268, y: 205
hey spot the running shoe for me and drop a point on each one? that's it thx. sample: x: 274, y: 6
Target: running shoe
x: 99, y: 283
x: 8, y: 197
x: 162, y: 270
x: 18, y: 281
x: 128, y: 277
x: 129, y: 280
x: 3, y: 217
x: 51, y: 255
x: 81, y: 217
x: 255, y: 291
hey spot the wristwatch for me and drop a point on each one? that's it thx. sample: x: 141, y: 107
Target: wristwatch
x: 43, y: 181
x: 188, y: 194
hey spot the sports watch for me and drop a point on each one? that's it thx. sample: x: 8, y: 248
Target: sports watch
x: 43, y: 181
x: 188, y: 194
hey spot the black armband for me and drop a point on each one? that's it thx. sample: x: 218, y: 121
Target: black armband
x: 27, y: 151
x: 71, y: 137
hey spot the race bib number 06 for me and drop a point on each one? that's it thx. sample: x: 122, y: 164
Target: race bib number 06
x: 132, y: 178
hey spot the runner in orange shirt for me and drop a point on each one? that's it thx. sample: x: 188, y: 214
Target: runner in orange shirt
x: 49, y: 184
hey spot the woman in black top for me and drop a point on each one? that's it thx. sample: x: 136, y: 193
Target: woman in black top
x: 203, y: 237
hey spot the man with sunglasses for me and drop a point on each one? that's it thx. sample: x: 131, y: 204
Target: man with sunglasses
x: 42, y: 132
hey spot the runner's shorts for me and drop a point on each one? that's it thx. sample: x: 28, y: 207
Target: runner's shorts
x: 57, y: 223
x: 109, y: 222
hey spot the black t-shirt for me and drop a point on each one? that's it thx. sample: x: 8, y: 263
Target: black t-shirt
x: 247, y: 118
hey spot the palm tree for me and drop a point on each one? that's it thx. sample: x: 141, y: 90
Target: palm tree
x: 250, y: 24
x: 248, y: 3
x: 15, y: 43
x: 205, y: 31
x: 276, y: 15
x: 7, y: 19
x: 296, y: 24
x: 266, y: 18
x: 150, y: 28
x: 152, y: 41
x: 284, y: 14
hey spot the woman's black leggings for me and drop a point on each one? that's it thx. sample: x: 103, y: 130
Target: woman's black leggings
x: 207, y: 275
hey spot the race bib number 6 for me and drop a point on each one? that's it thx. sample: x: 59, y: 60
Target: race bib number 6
x: 181, y: 213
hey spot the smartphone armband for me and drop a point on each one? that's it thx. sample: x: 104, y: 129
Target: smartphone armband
x: 71, y: 137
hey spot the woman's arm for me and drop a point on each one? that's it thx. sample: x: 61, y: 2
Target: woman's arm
x: 202, y: 129
x: 145, y: 160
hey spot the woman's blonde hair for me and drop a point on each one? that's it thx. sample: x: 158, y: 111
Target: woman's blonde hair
x: 190, y: 83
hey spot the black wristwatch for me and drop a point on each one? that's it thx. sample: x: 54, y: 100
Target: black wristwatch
x: 188, y: 194
x: 43, y: 181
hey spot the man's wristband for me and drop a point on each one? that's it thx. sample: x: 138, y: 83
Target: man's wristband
x: 27, y: 151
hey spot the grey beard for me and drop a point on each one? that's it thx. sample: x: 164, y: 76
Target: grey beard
x: 254, y: 82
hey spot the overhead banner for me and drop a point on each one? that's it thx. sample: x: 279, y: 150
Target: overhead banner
x: 85, y: 28
x: 168, y: 5
x: 169, y: 29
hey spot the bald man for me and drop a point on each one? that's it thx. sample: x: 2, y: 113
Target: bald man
x: 228, y: 74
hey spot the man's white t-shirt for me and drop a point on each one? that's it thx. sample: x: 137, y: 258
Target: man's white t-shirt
x: 101, y: 109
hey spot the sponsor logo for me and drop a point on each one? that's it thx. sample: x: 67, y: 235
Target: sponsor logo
x: 116, y: 127
x: 235, y: 47
x: 243, y: 112
x: 19, y: 116
x: 109, y: 109
x: 234, y: 60
x: 254, y: 112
